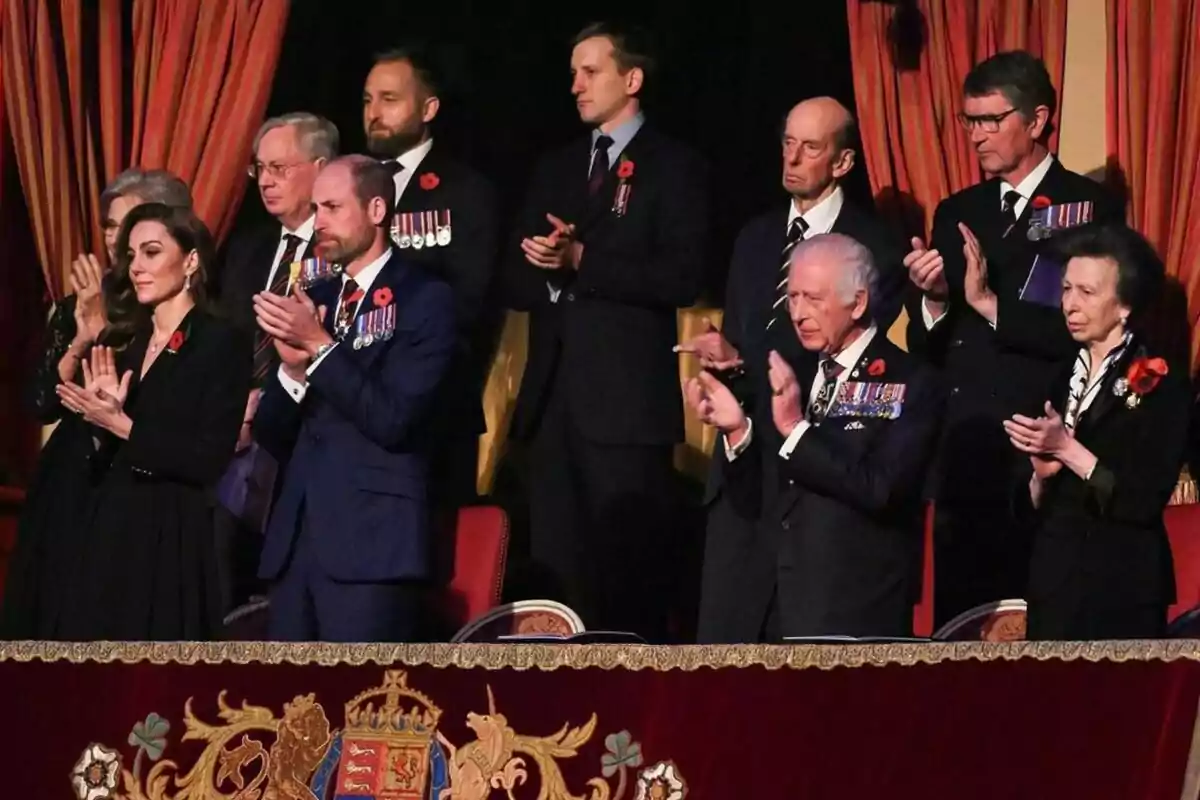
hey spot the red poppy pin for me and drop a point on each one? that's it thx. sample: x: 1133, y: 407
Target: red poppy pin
x: 1041, y: 201
x: 1143, y: 375
x: 877, y: 368
x: 429, y: 181
x: 175, y: 342
x: 625, y: 170
x: 382, y: 297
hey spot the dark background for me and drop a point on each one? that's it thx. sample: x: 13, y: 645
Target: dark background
x: 727, y: 77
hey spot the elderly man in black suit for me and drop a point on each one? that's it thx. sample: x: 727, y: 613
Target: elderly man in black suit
x: 818, y: 141
x: 288, y: 152
x: 833, y: 472
x: 610, y: 244
x: 447, y: 220
x: 999, y: 351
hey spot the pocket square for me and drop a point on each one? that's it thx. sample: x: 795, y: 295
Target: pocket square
x: 854, y: 425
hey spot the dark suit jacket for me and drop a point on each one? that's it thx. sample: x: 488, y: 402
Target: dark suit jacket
x: 614, y: 326
x: 848, y: 511
x: 467, y: 264
x: 754, y: 273
x: 994, y: 374
x: 358, y: 442
x: 1100, y: 543
x: 245, y: 267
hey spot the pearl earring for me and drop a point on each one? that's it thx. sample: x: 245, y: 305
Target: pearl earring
x: 187, y: 283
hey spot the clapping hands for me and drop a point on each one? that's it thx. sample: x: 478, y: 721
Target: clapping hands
x: 101, y: 399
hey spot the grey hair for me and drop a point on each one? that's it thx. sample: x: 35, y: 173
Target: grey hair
x: 857, y: 272
x: 318, y: 136
x: 149, y: 186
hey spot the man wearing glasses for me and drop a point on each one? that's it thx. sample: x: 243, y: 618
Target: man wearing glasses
x: 289, y: 151
x: 999, y: 351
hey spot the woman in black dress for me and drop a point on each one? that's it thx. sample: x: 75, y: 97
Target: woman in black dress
x: 163, y: 393
x: 1106, y: 455
x: 59, y: 493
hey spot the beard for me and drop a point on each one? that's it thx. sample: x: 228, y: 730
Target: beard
x: 393, y: 144
x: 339, y: 250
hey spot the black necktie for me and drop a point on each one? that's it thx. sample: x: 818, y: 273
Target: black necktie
x: 394, y: 167
x: 347, y: 305
x: 824, y: 399
x: 264, y: 352
x: 599, y: 164
x: 1009, y: 209
x: 795, y: 233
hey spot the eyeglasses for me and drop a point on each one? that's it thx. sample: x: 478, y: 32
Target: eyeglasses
x: 988, y: 123
x: 274, y: 169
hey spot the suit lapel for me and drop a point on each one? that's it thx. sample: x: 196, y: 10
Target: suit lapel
x: 393, y: 278
x: 416, y: 197
x: 1106, y: 400
x: 598, y: 208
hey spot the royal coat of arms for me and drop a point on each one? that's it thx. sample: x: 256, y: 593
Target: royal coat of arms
x: 389, y: 749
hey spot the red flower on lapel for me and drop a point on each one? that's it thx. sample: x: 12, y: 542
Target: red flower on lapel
x: 382, y: 297
x: 877, y: 368
x: 429, y: 181
x: 175, y: 342
x: 1041, y: 201
x: 625, y: 169
x: 1145, y: 373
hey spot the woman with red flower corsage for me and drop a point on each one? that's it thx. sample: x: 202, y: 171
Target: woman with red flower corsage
x: 162, y: 397
x: 1106, y: 453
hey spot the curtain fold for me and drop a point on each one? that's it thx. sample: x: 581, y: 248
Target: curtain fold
x: 908, y: 75
x: 202, y: 75
x: 1153, y: 133
x: 64, y: 147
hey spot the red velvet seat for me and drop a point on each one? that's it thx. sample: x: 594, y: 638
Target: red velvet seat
x: 522, y: 618
x: 480, y: 556
x: 923, y: 611
x: 1183, y: 529
x: 11, y: 501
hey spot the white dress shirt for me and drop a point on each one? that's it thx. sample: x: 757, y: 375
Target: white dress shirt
x: 848, y: 359
x: 410, y: 161
x: 821, y: 217
x: 365, y: 277
x: 304, y: 232
x: 1025, y: 188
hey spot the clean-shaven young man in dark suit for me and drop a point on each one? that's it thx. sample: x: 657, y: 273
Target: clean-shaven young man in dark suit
x: 818, y: 151
x: 348, y: 547
x: 611, y: 243
x: 447, y: 220
x: 852, y: 426
x: 999, y: 352
x: 289, y: 151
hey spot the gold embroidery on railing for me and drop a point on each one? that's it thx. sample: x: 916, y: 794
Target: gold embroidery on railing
x: 606, y: 656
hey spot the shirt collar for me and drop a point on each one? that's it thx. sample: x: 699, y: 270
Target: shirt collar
x: 623, y: 134
x: 367, y: 275
x: 412, y: 159
x: 819, y: 218
x: 848, y: 358
x: 1030, y: 182
x: 305, y: 231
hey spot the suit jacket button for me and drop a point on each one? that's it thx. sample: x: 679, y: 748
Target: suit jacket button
x: 570, y: 297
x: 956, y: 343
x: 954, y: 390
x: 785, y: 525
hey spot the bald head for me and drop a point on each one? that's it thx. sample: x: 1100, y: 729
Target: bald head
x: 818, y: 148
x: 830, y: 284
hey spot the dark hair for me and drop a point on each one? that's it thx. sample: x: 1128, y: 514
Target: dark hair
x: 125, y: 314
x: 371, y: 179
x: 1021, y: 78
x: 1140, y: 272
x: 632, y: 46
x: 423, y: 61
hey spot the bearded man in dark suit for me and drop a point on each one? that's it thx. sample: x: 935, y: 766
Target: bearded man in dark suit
x: 999, y: 346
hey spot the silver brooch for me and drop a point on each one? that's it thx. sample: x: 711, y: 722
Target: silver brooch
x: 1120, y: 387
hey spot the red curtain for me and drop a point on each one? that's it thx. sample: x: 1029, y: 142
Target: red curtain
x: 1154, y: 129
x: 914, y: 149
x: 66, y: 147
x: 202, y: 75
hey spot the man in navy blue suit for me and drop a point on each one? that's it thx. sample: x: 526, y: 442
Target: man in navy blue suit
x: 348, y: 545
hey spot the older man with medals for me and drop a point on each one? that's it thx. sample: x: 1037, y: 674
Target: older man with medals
x: 854, y: 423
